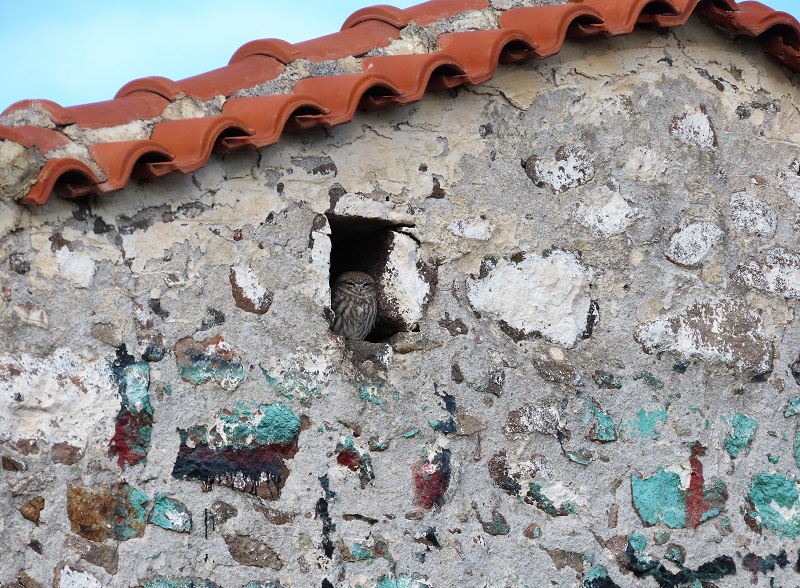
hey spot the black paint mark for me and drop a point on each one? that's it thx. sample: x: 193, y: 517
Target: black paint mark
x: 217, y: 317
x: 643, y: 566
x: 328, y: 526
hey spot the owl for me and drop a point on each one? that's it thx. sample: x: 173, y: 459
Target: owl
x: 355, y: 305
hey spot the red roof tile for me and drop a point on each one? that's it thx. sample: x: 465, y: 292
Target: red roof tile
x: 253, y: 100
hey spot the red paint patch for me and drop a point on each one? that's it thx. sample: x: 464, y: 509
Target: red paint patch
x: 702, y: 502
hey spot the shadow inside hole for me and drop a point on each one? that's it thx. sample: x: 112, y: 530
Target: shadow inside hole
x: 364, y: 245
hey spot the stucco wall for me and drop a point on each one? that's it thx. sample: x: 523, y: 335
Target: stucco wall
x: 596, y: 257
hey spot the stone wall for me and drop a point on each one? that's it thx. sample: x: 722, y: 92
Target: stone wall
x: 586, y: 371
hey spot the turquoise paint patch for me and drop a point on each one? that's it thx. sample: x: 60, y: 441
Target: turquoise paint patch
x: 263, y: 585
x: 537, y: 497
x: 400, y: 582
x: 202, y: 368
x: 273, y: 424
x: 768, y: 492
x: 792, y: 407
x: 137, y: 381
x: 744, y: 430
x: 362, y: 553
x: 604, y: 430
x: 661, y: 537
x: 638, y: 542
x: 650, y: 380
x: 291, y: 384
x: 371, y: 393
x: 659, y: 498
x: 796, y: 448
x: 593, y: 575
x: 170, y: 514
x: 644, y: 425
x: 131, y: 513
x: 182, y: 583
x: 774, y: 458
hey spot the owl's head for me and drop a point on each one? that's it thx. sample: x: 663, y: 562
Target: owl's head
x: 356, y: 282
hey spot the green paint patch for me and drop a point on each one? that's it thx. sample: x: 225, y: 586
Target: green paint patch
x: 644, y: 425
x: 273, y: 424
x: 744, y: 430
x: 170, y: 514
x: 295, y: 385
x: 411, y: 433
x: 775, y: 459
x: 792, y: 407
x: 604, y: 430
x: 582, y: 457
x: 650, y: 380
x: 773, y: 505
x: 659, y: 498
x: 661, y: 537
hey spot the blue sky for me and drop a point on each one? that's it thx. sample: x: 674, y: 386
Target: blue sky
x: 75, y: 52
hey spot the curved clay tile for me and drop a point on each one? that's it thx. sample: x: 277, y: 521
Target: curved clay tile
x: 74, y: 177
x: 356, y: 40
x: 192, y: 141
x: 278, y: 49
x: 467, y: 56
x: 117, y: 160
x: 268, y: 116
x: 29, y: 136
x: 344, y: 94
x: 548, y: 26
x: 381, y: 13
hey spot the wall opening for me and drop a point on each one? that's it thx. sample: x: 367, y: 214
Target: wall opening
x: 366, y: 245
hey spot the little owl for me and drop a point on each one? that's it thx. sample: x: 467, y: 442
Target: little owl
x: 354, y: 305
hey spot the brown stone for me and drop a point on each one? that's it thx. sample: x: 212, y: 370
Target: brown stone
x: 32, y: 509
x: 13, y: 465
x: 273, y: 515
x: 532, y: 531
x: 35, y: 483
x: 617, y: 545
x: 66, y: 454
x: 101, y: 512
x: 563, y: 559
x: 98, y: 554
x: 106, y: 333
x: 26, y: 581
x: 243, y: 298
x: 467, y: 425
x: 252, y: 552
x: 28, y: 446
x: 222, y: 512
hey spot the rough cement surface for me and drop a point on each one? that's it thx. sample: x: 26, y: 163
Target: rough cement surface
x: 639, y: 429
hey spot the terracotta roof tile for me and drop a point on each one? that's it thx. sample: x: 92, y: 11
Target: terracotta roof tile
x: 271, y: 86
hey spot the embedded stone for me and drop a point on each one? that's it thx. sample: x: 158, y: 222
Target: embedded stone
x: 541, y: 417
x: 725, y: 332
x: 536, y: 296
x: 170, y: 514
x: 606, y: 213
x: 251, y: 552
x: 571, y: 168
x: 69, y: 576
x: 692, y: 242
x: 779, y: 273
x: 248, y: 293
x: 752, y: 217
x: 213, y: 359
x: 695, y: 128
x: 102, y: 555
x: 32, y: 509
x: 65, y: 454
x: 115, y: 511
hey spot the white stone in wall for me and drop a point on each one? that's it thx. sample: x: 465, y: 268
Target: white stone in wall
x: 61, y: 397
x: 570, y: 168
x: 606, y: 213
x: 752, y: 216
x: 76, y: 578
x: 549, y: 295
x: 725, y: 331
x: 779, y: 273
x: 407, y: 291
x: 691, y: 242
x: 695, y: 128
x: 474, y: 228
